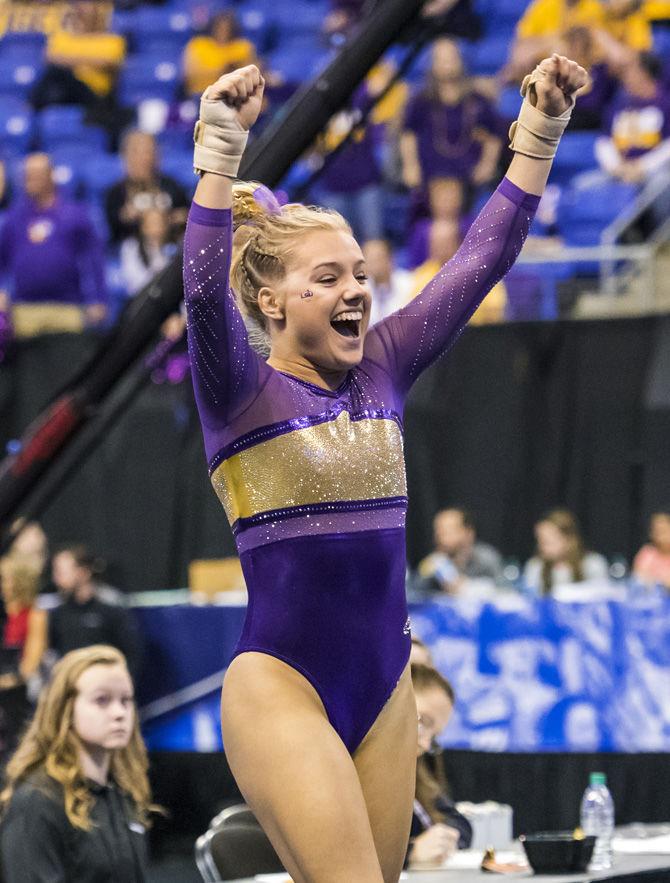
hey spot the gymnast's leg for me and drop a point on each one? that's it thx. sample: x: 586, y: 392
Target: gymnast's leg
x: 386, y: 765
x: 295, y: 773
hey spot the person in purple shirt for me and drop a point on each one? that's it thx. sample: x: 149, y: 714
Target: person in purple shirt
x: 638, y: 124
x: 50, y: 252
x: 305, y: 452
x: 449, y: 130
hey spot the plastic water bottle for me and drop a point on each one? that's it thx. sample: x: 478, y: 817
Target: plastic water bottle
x: 597, y: 818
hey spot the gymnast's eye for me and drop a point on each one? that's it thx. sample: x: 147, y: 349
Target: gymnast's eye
x: 327, y: 280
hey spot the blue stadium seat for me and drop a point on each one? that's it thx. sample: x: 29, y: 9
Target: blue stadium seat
x: 583, y: 214
x: 148, y: 77
x: 299, y: 16
x: 576, y: 153
x: 509, y: 103
x: 23, y: 45
x: 175, y: 140
x: 257, y: 26
x: 486, y: 56
x: 16, y: 126
x: 98, y: 173
x: 64, y: 124
x: 155, y: 26
x: 298, y: 58
x: 67, y: 162
x: 18, y: 75
x: 180, y: 167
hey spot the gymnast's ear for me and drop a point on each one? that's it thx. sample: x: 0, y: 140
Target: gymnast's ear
x: 271, y: 303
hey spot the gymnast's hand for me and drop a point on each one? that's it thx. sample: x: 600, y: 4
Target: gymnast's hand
x: 560, y: 79
x: 241, y: 90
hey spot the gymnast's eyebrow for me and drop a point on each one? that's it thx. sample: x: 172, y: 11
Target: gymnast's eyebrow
x: 336, y: 265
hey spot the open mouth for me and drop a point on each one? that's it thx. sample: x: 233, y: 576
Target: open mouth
x: 348, y: 324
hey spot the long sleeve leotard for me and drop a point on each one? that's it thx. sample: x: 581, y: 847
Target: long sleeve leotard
x: 313, y: 480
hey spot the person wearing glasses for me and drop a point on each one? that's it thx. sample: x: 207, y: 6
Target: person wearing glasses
x: 438, y: 829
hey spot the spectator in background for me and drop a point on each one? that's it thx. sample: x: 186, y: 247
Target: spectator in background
x: 652, y: 562
x: 25, y: 628
x: 450, y: 130
x: 77, y: 799
x: 446, y: 199
x: 638, y: 144
x: 444, y: 238
x: 52, y: 257
x: 389, y: 285
x: 209, y: 56
x: 146, y: 254
x: 438, y: 828
x: 83, y: 60
x: 351, y: 180
x: 561, y: 558
x: 143, y: 188
x: 457, y: 555
x: 83, y: 619
x: 31, y: 549
x: 613, y: 25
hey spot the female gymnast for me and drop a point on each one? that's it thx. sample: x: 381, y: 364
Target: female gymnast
x: 305, y: 452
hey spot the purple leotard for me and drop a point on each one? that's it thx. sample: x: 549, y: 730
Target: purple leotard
x: 313, y: 481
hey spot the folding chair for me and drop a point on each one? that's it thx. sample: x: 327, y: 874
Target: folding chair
x: 235, y: 846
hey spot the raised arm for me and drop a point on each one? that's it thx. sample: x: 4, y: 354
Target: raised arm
x: 225, y: 368
x: 408, y: 341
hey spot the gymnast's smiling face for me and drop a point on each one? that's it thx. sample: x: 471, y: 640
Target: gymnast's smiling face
x: 319, y: 312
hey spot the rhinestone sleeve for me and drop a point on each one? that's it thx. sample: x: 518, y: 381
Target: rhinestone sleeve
x: 408, y: 341
x: 223, y: 364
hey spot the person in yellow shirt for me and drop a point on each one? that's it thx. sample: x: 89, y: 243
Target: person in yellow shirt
x: 83, y: 60
x: 85, y: 49
x: 614, y: 24
x: 444, y: 240
x: 208, y: 56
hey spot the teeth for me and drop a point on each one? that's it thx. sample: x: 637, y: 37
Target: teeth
x: 348, y: 317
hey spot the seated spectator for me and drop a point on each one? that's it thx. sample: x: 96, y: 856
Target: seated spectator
x: 83, y: 60
x: 638, y: 144
x: 351, y: 180
x: 545, y: 23
x: 31, y: 548
x: 77, y: 797
x: 561, y: 558
x: 458, y: 555
x: 25, y: 628
x: 438, y: 828
x: 446, y: 200
x: 652, y: 562
x: 143, y: 187
x: 450, y: 130
x: 52, y: 257
x: 444, y: 239
x: 144, y: 255
x: 209, y: 56
x: 389, y: 285
x: 598, y: 58
x: 83, y: 618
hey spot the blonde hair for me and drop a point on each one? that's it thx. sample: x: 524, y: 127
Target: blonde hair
x: 265, y: 235
x: 51, y: 745
x: 25, y: 579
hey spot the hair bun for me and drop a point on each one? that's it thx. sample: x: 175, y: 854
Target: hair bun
x: 252, y: 203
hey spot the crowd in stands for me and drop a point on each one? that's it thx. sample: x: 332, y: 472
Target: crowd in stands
x: 95, y: 130
x: 58, y: 602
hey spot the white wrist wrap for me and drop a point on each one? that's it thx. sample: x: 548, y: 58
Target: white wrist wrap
x: 535, y: 133
x: 219, y: 139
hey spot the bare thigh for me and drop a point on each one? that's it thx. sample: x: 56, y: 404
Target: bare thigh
x: 386, y: 766
x: 295, y: 773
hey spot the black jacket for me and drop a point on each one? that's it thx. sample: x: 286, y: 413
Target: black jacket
x: 73, y: 625
x: 39, y: 845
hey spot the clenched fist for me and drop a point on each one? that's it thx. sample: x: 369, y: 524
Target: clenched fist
x: 557, y: 80
x: 242, y: 91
